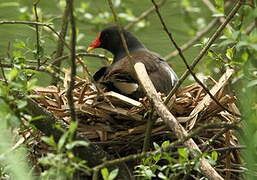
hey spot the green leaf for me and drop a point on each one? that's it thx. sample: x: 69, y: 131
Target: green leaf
x: 156, y: 146
x: 105, y: 173
x: 229, y: 53
x: 20, y: 45
x: 62, y: 141
x: 113, y: 174
x: 214, y: 156
x: 162, y: 176
x: 12, y: 74
x: 9, y: 4
x: 149, y: 173
x: 21, y: 104
x: 183, y: 152
x: 165, y: 144
x: 76, y: 143
x: 157, y: 157
x: 50, y: 141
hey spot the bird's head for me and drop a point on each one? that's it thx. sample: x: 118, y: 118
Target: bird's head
x: 110, y: 39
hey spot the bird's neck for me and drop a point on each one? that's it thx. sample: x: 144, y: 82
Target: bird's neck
x: 121, y: 52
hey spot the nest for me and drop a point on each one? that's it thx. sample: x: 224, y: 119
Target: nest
x: 117, y: 123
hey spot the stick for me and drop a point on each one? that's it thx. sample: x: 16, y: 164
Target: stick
x: 205, y: 49
x: 171, y: 121
x: 73, y: 61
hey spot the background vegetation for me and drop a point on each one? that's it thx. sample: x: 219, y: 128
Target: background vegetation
x: 19, y: 47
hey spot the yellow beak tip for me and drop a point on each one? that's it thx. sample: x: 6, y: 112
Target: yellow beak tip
x: 89, y: 49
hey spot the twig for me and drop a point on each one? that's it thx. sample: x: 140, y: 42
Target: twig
x: 148, y: 131
x: 172, y: 145
x: 42, y: 69
x: 144, y: 14
x: 229, y: 148
x: 210, y: 141
x: 3, y: 74
x: 171, y: 121
x: 227, y: 156
x: 63, y: 32
x: 8, y: 50
x: 205, y: 48
x: 124, y: 43
x: 198, y: 36
x: 73, y: 61
x: 39, y: 24
x: 185, y: 61
x: 213, y: 10
x: 100, y: 56
x: 37, y: 33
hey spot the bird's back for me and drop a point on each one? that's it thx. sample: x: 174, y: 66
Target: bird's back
x: 120, y: 76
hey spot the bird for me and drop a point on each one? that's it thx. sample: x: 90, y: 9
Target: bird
x: 119, y: 77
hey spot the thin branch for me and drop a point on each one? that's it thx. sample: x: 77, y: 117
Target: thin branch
x: 205, y: 48
x: 63, y: 32
x: 73, y: 61
x: 3, y: 74
x: 124, y: 43
x: 39, y: 24
x: 100, y: 56
x: 37, y: 34
x: 213, y: 10
x: 42, y: 69
x: 185, y: 61
x: 197, y: 37
x: 148, y: 131
x: 144, y: 14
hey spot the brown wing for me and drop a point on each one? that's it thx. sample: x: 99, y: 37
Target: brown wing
x: 159, y: 72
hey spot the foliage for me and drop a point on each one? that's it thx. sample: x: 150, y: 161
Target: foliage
x: 62, y: 164
x: 236, y: 48
x: 109, y: 176
x: 14, y: 91
x: 171, y: 165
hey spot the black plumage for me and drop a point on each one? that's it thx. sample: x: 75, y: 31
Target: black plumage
x: 119, y: 77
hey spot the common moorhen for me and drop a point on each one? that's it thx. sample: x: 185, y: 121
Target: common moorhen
x: 119, y: 77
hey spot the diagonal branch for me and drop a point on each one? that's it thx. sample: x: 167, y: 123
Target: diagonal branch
x: 185, y: 61
x: 144, y: 14
x: 172, y: 122
x: 198, y: 36
x: 205, y: 48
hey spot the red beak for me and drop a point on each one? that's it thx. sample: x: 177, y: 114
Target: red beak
x: 95, y: 44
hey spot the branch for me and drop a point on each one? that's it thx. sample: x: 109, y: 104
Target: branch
x: 171, y: 121
x: 69, y: 95
x: 93, y: 154
x: 37, y: 33
x: 3, y: 73
x: 100, y: 56
x: 148, y: 132
x: 42, y: 69
x: 39, y: 24
x: 64, y: 27
x: 124, y: 43
x: 213, y: 10
x: 205, y: 49
x: 172, y: 145
x: 185, y: 61
x: 144, y: 15
x: 198, y: 36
